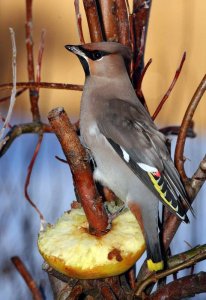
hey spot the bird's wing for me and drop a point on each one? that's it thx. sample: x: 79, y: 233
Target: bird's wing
x: 137, y: 141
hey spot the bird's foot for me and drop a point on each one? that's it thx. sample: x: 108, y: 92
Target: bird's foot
x: 113, y: 210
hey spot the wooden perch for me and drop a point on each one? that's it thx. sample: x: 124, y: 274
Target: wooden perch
x: 81, y: 171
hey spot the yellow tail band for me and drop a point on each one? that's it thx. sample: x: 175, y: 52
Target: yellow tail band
x: 155, y: 266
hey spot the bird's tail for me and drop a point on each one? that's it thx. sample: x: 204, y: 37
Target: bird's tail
x: 154, y: 256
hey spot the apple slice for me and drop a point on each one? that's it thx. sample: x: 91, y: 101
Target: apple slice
x: 69, y: 248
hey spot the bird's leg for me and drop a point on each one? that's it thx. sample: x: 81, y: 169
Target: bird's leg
x: 113, y: 210
x: 90, y: 157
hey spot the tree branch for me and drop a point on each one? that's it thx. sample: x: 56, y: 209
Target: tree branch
x: 178, y: 262
x: 34, y: 94
x: 141, y: 12
x: 27, y: 278
x: 182, y: 288
x: 179, y: 151
x: 82, y: 174
x: 3, y: 140
x: 17, y: 130
x: 109, y: 19
x: 45, y: 85
x: 123, y: 23
x: 174, y: 130
x: 166, y: 95
x: 28, y: 177
x: 93, y: 20
x: 79, y: 21
x: 17, y: 94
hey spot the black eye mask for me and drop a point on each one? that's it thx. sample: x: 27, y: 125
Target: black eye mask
x: 94, y: 54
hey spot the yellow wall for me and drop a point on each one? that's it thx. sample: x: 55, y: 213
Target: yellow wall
x: 175, y: 26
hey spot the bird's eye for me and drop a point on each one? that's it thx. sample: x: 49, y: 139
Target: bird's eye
x: 97, y: 55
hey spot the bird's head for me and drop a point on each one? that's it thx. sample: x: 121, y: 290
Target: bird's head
x: 102, y: 59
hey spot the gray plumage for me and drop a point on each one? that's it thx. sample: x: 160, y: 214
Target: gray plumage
x: 130, y: 153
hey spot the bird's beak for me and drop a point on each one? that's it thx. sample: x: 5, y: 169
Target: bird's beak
x: 71, y: 48
x: 74, y: 49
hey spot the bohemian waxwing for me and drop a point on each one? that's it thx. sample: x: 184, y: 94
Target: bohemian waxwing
x: 130, y: 153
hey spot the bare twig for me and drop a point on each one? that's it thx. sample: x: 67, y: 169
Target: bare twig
x: 82, y: 175
x: 141, y: 10
x: 131, y: 277
x: 20, y: 129
x: 45, y: 85
x: 27, y: 278
x: 138, y: 88
x: 27, y: 181
x: 174, y: 130
x: 179, y: 159
x: 187, y: 261
x: 196, y: 253
x: 13, y: 92
x: 139, y: 85
x: 132, y: 39
x: 141, y: 50
x: 40, y: 55
x: 79, y: 21
x: 17, y: 94
x: 93, y: 20
x: 8, y: 125
x: 198, y: 179
x: 165, y: 97
x: 61, y: 159
x: 34, y: 94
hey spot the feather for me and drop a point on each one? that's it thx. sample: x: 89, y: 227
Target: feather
x: 142, y: 147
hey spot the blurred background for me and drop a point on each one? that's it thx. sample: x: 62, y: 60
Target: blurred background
x: 175, y: 26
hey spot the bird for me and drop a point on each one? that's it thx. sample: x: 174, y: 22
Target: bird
x: 130, y: 153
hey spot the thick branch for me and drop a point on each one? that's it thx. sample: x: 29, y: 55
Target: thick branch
x: 123, y: 23
x: 93, y: 21
x: 27, y: 278
x: 82, y: 175
x: 109, y: 18
x: 182, y: 288
x: 45, y: 85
